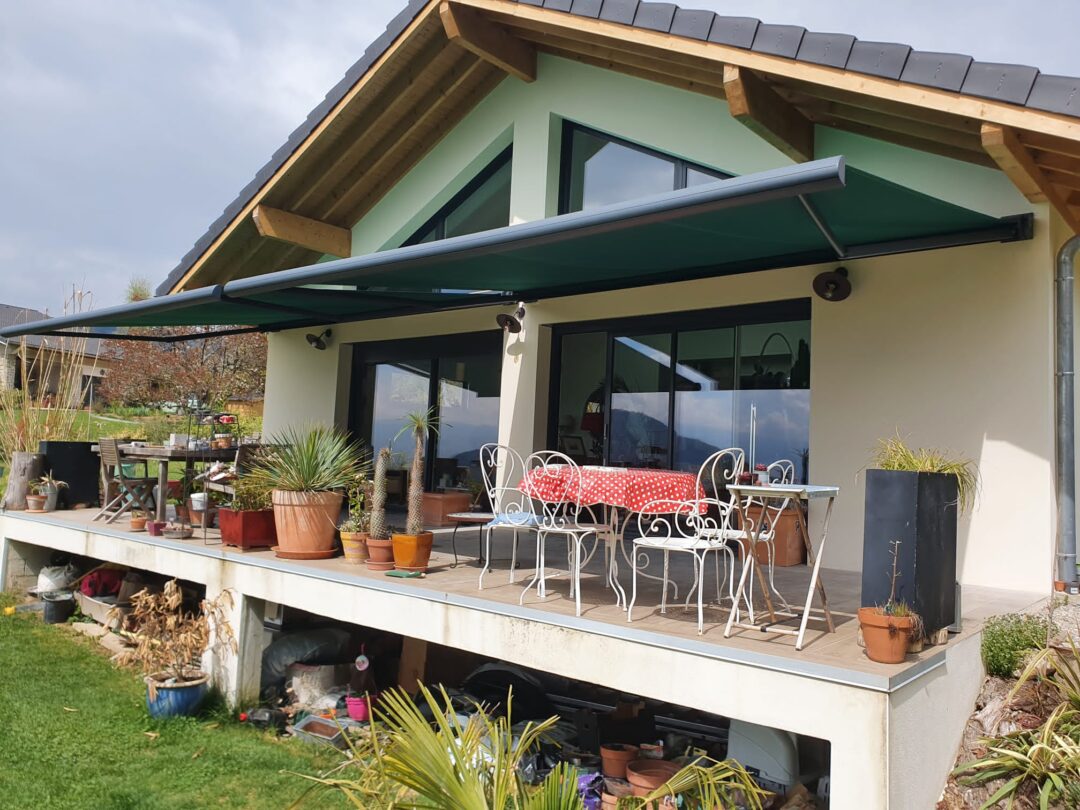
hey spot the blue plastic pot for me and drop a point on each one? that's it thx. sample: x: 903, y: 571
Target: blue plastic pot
x: 182, y: 700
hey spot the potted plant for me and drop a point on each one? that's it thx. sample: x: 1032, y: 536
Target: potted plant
x: 138, y: 520
x: 412, y: 548
x: 50, y: 487
x: 379, y: 545
x: 307, y: 473
x: 169, y: 645
x: 888, y: 629
x: 354, y: 529
x: 248, y: 520
x: 915, y: 496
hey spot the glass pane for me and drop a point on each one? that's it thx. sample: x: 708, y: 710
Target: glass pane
x: 704, y: 397
x: 641, y: 381
x: 485, y: 208
x: 603, y: 172
x: 695, y: 177
x: 468, y: 417
x: 582, y: 397
x: 772, y: 410
x: 400, y: 389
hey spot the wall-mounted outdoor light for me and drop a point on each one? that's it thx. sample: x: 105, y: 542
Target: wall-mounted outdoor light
x: 512, y: 323
x: 833, y: 285
x: 318, y: 341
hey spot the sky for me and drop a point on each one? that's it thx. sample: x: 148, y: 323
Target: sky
x: 126, y: 126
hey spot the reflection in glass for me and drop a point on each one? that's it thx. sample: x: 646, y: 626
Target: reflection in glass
x: 641, y: 383
x: 400, y: 389
x: 468, y: 417
x: 705, y: 377
x: 695, y: 177
x: 485, y: 208
x: 582, y: 397
x: 603, y: 172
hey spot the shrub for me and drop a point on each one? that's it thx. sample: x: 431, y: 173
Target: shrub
x: 1008, y: 637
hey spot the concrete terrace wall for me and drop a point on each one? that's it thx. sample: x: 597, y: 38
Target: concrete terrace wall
x: 952, y: 348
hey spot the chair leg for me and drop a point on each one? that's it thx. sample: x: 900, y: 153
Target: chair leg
x: 633, y: 588
x: 513, y: 556
x: 537, y: 572
x: 699, y: 567
x: 453, y: 546
x: 485, y: 536
x: 663, y: 595
x: 576, y: 574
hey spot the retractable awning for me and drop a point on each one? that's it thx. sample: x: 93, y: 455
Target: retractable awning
x: 804, y: 214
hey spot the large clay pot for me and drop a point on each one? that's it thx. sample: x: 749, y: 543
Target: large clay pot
x: 354, y: 544
x: 247, y: 529
x: 646, y: 775
x: 616, y: 757
x: 412, y: 551
x: 380, y: 555
x: 306, y: 523
x: 886, y: 637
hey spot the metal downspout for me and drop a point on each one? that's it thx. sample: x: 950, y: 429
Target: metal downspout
x: 1065, y: 427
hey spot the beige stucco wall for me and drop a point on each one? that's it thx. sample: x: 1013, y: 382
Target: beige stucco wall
x: 952, y: 348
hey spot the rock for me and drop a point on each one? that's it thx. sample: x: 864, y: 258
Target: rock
x: 91, y: 629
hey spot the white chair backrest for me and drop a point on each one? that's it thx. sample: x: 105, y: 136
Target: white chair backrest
x: 779, y: 472
x: 560, y: 477
x: 503, y: 469
x: 719, y: 471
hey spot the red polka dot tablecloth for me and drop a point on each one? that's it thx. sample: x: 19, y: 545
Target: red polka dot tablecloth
x: 647, y: 491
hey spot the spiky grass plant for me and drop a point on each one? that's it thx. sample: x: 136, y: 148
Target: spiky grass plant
x: 379, y: 529
x: 895, y: 454
x: 418, y: 424
x: 318, y: 459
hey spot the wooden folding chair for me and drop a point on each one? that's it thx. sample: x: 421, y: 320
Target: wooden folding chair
x: 134, y: 493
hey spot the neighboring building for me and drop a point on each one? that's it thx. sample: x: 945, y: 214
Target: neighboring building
x: 658, y: 328
x: 12, y: 363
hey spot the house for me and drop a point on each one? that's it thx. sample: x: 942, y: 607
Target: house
x: 12, y: 364
x: 661, y: 188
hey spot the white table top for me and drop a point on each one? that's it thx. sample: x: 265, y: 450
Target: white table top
x: 805, y: 492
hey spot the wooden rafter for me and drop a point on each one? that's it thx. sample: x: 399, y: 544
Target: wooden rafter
x: 312, y: 234
x: 488, y: 41
x: 757, y: 107
x: 1003, y: 145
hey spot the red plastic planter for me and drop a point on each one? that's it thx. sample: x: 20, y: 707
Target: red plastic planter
x: 247, y: 529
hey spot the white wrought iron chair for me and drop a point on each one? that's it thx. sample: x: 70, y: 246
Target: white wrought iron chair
x: 698, y: 527
x: 560, y: 514
x: 511, y: 508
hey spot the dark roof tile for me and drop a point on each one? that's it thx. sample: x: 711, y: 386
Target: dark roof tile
x: 532, y: 2
x: 586, y: 8
x: 655, y: 16
x: 692, y: 23
x: 1060, y: 94
x: 779, y: 40
x: 738, y: 32
x: 825, y: 49
x: 1009, y: 83
x: 558, y: 5
x: 619, y: 11
x: 945, y: 71
x: 878, y: 58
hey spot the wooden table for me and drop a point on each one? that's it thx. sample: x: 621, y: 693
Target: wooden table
x: 742, y: 493
x: 163, y: 455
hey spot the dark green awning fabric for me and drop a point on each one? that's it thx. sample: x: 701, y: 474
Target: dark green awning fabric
x: 812, y: 212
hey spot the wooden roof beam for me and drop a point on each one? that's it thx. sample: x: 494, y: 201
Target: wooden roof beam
x: 1013, y: 158
x: 489, y: 41
x: 760, y: 109
x: 322, y: 237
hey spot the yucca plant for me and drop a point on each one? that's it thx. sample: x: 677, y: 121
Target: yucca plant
x: 419, y: 424
x: 318, y: 459
x: 895, y: 454
x: 379, y: 529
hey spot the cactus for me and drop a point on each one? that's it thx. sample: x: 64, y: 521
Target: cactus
x: 379, y: 530
x: 414, y: 524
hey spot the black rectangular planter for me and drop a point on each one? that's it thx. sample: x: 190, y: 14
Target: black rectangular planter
x: 919, y: 510
x: 78, y: 465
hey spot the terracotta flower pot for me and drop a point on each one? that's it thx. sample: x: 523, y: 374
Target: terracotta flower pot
x: 646, y: 775
x: 616, y: 757
x: 886, y: 637
x: 247, y: 528
x: 306, y: 522
x: 412, y: 551
x: 354, y: 544
x: 380, y: 555
x: 35, y: 503
x: 138, y: 524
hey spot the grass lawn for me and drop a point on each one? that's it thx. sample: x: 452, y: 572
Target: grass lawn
x: 75, y: 736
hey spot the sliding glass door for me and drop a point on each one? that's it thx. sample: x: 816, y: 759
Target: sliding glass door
x: 668, y: 391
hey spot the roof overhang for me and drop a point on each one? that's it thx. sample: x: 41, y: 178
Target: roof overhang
x: 799, y: 215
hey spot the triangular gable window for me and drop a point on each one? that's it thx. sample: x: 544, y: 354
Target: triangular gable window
x: 483, y: 204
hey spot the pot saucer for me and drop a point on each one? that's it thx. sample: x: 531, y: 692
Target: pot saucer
x: 303, y: 555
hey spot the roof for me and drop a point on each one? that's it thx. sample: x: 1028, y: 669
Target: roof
x: 11, y: 315
x: 1019, y: 85
x: 826, y: 211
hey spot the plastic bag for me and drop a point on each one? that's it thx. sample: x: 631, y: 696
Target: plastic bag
x: 56, y: 577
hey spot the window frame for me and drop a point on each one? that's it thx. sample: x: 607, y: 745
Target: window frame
x: 438, y: 219
x: 566, y: 153
x: 794, y: 309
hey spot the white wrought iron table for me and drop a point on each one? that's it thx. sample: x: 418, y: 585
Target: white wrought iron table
x: 742, y: 493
